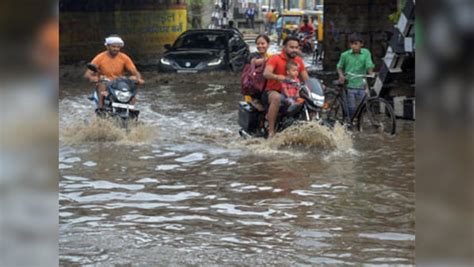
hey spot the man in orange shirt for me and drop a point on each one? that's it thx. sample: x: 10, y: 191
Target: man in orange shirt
x: 275, y: 72
x: 112, y: 64
x: 268, y: 23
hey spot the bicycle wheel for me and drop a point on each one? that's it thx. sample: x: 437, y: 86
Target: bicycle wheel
x: 336, y: 111
x: 377, y: 117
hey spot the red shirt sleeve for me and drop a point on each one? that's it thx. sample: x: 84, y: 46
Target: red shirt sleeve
x: 301, y: 65
x: 273, y: 61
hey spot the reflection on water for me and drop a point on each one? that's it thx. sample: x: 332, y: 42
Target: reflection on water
x: 186, y: 190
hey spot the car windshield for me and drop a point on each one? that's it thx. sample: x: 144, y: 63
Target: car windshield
x: 291, y: 20
x: 201, y: 40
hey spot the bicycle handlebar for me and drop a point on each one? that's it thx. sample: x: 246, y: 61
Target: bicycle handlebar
x: 360, y: 75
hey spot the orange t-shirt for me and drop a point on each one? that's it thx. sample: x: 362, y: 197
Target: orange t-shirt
x: 279, y: 67
x: 113, y: 67
x: 269, y: 16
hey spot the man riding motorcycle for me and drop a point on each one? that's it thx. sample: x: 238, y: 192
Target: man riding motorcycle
x: 308, y: 30
x: 112, y: 64
x: 275, y: 72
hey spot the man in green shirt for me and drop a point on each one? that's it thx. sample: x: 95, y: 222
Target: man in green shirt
x: 356, y: 60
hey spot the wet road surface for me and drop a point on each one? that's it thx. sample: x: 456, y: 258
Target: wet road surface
x: 183, y: 188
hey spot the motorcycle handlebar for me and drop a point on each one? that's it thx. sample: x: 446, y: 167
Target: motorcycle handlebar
x: 290, y: 81
x: 103, y: 78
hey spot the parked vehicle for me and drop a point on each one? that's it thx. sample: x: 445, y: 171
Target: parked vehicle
x: 205, y: 50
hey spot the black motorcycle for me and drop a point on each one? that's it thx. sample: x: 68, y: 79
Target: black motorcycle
x: 306, y: 41
x: 253, y: 122
x: 121, y: 91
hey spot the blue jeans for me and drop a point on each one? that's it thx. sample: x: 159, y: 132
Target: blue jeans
x: 354, y: 96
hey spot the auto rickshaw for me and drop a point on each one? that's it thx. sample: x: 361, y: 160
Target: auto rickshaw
x: 289, y: 22
x: 317, y: 18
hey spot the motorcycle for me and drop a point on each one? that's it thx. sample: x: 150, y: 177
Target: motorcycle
x: 313, y: 107
x: 121, y: 91
x: 306, y: 42
x: 289, y: 32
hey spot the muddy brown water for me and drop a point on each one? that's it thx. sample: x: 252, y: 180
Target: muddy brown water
x: 181, y: 187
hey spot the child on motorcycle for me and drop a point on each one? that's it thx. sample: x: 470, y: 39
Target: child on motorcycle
x: 290, y: 89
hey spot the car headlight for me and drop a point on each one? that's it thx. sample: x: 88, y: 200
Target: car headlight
x: 165, y: 61
x: 215, y: 62
x: 123, y: 96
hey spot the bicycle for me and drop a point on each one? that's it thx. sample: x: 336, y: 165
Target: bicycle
x: 372, y: 114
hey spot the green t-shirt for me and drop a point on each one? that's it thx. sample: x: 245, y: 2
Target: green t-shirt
x: 357, y: 64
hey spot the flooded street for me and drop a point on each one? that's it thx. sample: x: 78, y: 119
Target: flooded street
x: 182, y: 187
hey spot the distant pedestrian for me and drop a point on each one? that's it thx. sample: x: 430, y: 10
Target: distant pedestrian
x: 250, y: 13
x: 279, y: 29
x: 268, y: 22
x: 273, y: 19
x: 215, y: 18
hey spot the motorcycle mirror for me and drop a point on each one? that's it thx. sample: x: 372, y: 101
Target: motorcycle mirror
x: 92, y: 67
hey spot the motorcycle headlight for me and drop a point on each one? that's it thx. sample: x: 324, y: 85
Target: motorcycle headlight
x: 215, y: 62
x: 318, y: 100
x: 123, y: 96
x: 165, y: 61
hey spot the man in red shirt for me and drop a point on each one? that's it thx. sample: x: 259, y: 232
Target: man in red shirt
x: 307, y: 27
x: 275, y: 72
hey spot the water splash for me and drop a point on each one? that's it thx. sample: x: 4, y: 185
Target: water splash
x: 310, y: 135
x: 303, y: 136
x: 105, y: 130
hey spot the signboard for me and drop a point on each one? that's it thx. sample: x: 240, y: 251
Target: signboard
x: 162, y: 26
x: 145, y: 31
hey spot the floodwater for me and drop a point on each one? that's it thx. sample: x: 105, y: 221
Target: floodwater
x: 181, y: 187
